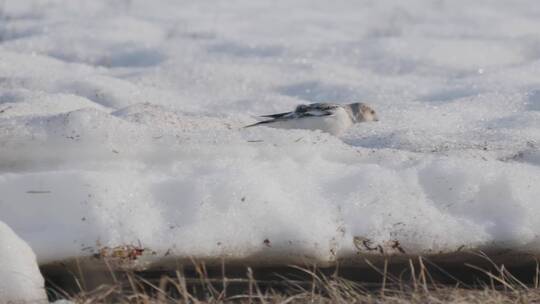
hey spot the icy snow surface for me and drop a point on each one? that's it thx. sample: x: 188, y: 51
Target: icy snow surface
x: 120, y: 124
x: 20, y: 279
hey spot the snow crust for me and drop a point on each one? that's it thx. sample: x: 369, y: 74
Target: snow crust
x: 20, y: 279
x: 121, y: 123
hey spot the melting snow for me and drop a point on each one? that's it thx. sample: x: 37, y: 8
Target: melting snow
x: 121, y: 124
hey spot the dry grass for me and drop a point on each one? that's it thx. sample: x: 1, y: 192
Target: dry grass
x: 499, y: 286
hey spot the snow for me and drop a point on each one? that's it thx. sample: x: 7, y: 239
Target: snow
x: 20, y: 279
x: 121, y: 124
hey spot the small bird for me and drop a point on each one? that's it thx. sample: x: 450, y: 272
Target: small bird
x: 327, y: 117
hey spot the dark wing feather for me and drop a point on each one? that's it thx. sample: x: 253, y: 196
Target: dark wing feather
x: 313, y: 114
x: 301, y: 111
x: 279, y: 115
x: 261, y: 123
x: 315, y: 109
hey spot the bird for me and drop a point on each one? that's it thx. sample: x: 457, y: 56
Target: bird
x: 327, y: 117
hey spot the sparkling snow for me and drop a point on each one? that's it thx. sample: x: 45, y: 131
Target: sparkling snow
x: 121, y: 123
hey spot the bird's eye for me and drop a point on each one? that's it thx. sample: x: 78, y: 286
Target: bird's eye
x: 372, y: 112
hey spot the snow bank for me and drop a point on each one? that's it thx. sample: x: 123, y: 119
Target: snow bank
x: 121, y: 125
x: 20, y: 279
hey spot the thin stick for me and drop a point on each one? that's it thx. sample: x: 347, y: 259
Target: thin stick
x: 385, y: 273
x: 413, y: 274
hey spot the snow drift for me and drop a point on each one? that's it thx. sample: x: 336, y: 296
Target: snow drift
x: 122, y: 126
x: 20, y: 279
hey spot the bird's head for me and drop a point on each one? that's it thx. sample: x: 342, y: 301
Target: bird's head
x: 362, y: 112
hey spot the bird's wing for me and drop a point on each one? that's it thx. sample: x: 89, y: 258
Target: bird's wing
x: 301, y: 111
x: 309, y: 110
x: 315, y: 109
